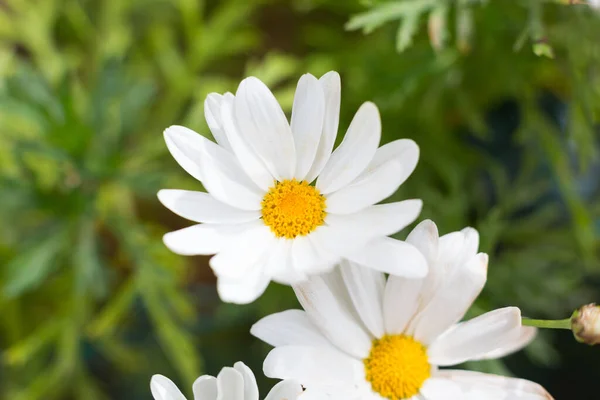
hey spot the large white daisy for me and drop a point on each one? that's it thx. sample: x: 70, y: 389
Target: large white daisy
x: 237, y: 383
x: 364, y: 337
x: 263, y: 217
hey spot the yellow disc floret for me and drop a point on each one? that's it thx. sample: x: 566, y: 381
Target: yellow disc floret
x: 397, y: 366
x: 293, y: 208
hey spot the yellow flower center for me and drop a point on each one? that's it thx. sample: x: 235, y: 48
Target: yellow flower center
x: 397, y: 366
x: 292, y: 208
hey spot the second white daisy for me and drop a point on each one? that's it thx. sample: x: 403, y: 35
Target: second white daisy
x: 364, y: 337
x: 262, y: 217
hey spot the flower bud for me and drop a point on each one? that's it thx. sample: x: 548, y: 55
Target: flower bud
x: 585, y: 324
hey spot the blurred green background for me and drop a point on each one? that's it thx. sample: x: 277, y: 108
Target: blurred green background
x: 503, y: 98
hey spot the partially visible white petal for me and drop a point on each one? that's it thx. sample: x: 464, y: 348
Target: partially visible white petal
x: 202, y: 207
x: 308, y: 258
x: 163, y: 388
x: 248, y: 159
x: 290, y: 327
x: 246, y: 289
x: 365, y: 287
x: 512, y: 344
x: 355, y: 152
x: 477, y: 385
x: 337, y: 240
x: 250, y: 387
x: 475, y: 338
x: 225, y: 180
x: 307, y: 122
x: 184, y: 145
x: 440, y: 389
x: 471, y: 241
x: 285, y: 390
x: 262, y: 121
x: 330, y: 83
x: 308, y: 364
x: 243, y: 252
x: 204, y: 239
x: 374, y: 187
x: 403, y: 151
x: 451, y: 300
x: 329, y: 313
x: 425, y: 238
x: 378, y: 220
x: 400, y: 302
x: 230, y: 384
x: 205, y: 388
x: 391, y: 256
x: 212, y: 113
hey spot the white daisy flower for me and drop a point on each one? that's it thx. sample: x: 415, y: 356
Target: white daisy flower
x: 262, y: 217
x: 237, y: 383
x: 364, y: 337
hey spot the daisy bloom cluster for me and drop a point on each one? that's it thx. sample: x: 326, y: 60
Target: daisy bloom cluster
x: 362, y: 336
x: 280, y: 204
x: 237, y: 383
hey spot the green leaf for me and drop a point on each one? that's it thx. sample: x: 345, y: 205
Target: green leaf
x: 29, y: 269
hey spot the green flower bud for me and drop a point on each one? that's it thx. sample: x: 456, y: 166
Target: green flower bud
x: 585, y: 324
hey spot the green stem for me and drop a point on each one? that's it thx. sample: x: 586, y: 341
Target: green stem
x: 548, y: 324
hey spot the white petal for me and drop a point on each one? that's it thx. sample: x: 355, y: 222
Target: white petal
x: 185, y: 145
x: 280, y: 265
x: 248, y: 159
x: 425, y: 237
x: 290, y: 327
x: 512, y: 344
x: 378, y: 220
x: 262, y: 121
x: 242, y: 253
x: 204, y: 239
x: 205, y: 388
x: 441, y: 389
x: 471, y: 241
x: 248, y: 288
x: 477, y: 385
x: 391, y: 256
x: 451, y: 300
x: 333, y: 318
x: 330, y: 83
x: 400, y: 302
x: 250, y: 387
x: 476, y: 337
x: 307, y: 122
x: 365, y: 287
x: 337, y: 241
x: 404, y: 151
x: 163, y: 388
x: 374, y: 187
x: 285, y: 390
x: 308, y: 257
x: 202, y: 207
x: 309, y: 364
x: 243, y: 291
x: 225, y: 180
x: 212, y: 113
x: 355, y: 152
x: 452, y: 252
x: 230, y: 384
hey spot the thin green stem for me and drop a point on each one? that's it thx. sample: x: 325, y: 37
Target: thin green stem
x: 548, y: 324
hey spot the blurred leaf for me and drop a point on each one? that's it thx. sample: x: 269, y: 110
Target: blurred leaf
x: 29, y: 269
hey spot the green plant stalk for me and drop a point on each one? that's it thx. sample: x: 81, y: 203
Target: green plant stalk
x: 547, y: 324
